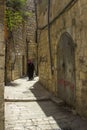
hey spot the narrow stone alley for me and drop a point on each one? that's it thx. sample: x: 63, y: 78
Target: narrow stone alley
x: 28, y: 106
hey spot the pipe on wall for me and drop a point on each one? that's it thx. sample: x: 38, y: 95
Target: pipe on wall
x: 68, y: 6
x: 49, y: 38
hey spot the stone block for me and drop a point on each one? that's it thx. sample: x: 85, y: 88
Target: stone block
x: 1, y: 91
x: 83, y: 76
x: 1, y: 75
x: 85, y: 52
x: 2, y: 127
x: 2, y: 61
x: 1, y: 114
x: 1, y: 37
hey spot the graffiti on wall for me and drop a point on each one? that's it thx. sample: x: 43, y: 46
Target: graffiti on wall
x: 66, y: 83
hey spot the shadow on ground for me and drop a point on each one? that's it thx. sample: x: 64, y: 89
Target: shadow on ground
x: 39, y: 92
x: 12, y: 84
x: 63, y: 118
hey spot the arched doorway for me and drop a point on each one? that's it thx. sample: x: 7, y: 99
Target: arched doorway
x: 66, y: 69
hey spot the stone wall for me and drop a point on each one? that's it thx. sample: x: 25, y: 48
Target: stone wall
x: 31, y: 21
x: 20, y: 52
x: 21, y: 45
x: 31, y: 32
x: 2, y: 64
x: 70, y: 18
x: 16, y: 54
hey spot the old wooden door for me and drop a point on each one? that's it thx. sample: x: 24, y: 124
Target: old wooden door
x: 66, y: 69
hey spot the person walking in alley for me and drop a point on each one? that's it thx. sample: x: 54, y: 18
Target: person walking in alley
x: 30, y: 69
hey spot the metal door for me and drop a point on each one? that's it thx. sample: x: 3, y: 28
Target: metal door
x: 66, y: 69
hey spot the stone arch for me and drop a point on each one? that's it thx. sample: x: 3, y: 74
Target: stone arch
x: 66, y: 69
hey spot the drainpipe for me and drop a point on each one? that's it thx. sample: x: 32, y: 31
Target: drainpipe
x: 36, y: 32
x: 68, y: 6
x: 49, y: 40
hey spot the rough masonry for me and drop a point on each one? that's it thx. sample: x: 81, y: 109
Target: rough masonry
x: 2, y: 64
x: 67, y: 24
x: 21, y: 45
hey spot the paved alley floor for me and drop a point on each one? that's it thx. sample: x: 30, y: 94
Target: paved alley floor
x: 28, y: 106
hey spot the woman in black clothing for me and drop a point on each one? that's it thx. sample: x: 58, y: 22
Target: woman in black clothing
x: 30, y: 70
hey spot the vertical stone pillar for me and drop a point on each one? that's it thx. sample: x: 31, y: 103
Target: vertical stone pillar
x: 2, y: 64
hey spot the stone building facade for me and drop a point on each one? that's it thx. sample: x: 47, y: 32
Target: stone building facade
x: 31, y: 32
x: 16, y: 54
x: 21, y: 46
x: 2, y: 64
x: 62, y: 50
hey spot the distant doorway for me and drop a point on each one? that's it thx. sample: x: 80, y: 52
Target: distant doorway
x: 66, y: 69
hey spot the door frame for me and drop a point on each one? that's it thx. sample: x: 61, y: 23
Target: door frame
x: 66, y: 34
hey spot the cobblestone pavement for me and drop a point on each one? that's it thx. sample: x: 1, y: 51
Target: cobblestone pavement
x: 28, y: 107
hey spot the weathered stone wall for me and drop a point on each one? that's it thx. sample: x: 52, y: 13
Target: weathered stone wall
x: 2, y: 64
x: 32, y: 53
x: 72, y: 20
x: 31, y: 32
x: 21, y: 45
x: 20, y: 52
x: 16, y: 54
x: 31, y: 21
